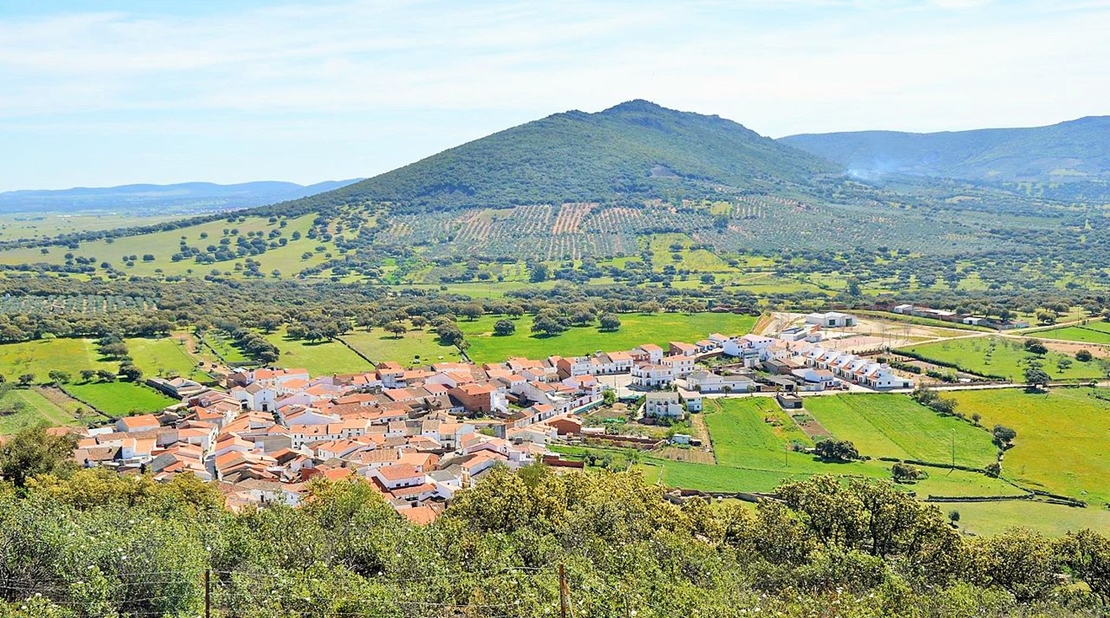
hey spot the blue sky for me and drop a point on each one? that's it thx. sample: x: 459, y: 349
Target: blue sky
x: 105, y: 93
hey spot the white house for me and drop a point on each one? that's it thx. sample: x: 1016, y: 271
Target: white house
x: 822, y: 377
x: 398, y: 475
x: 736, y: 346
x: 881, y: 377
x: 663, y: 405
x: 692, y: 399
x: 681, y: 366
x: 651, y: 376
x: 648, y: 352
x: 707, y: 382
x: 256, y: 396
x: 794, y: 334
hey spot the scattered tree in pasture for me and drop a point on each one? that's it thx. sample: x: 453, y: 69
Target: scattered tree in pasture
x: 58, y: 376
x: 1003, y: 437
x: 1036, y: 378
x: 609, y: 322
x: 837, y: 450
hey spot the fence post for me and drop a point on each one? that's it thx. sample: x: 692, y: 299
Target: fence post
x: 563, y: 591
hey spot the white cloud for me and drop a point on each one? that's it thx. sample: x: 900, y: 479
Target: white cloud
x: 372, y: 72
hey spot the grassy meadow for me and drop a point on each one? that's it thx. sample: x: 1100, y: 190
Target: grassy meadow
x: 887, y: 425
x: 26, y: 407
x: 217, y: 345
x: 42, y: 356
x: 635, y: 329
x: 165, y: 356
x: 162, y: 245
x: 1091, y: 332
x: 319, y: 358
x: 27, y: 226
x: 414, y: 347
x: 1061, y: 438
x: 1006, y: 357
x: 990, y: 518
x: 743, y: 437
x: 120, y: 398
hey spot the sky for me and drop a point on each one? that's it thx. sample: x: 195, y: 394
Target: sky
x: 106, y: 93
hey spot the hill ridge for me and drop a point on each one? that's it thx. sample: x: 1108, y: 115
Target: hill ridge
x: 579, y: 156
x: 1070, y: 151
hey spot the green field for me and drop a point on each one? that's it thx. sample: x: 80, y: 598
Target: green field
x: 715, y: 478
x: 162, y: 245
x: 988, y: 518
x: 36, y: 409
x: 42, y: 356
x: 164, y: 357
x: 742, y: 437
x: 1005, y: 357
x: 223, y: 347
x: 319, y: 358
x: 415, y: 347
x: 636, y: 329
x: 1093, y: 332
x: 886, y: 425
x: 1061, y: 438
x: 752, y: 438
x: 687, y: 475
x: 120, y: 398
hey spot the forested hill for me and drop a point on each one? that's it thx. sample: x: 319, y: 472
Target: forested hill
x: 1078, y: 150
x: 636, y: 149
x: 183, y: 197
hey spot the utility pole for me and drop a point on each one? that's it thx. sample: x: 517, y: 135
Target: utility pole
x: 207, y: 593
x: 563, y: 591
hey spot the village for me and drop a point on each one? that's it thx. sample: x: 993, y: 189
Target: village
x: 421, y: 434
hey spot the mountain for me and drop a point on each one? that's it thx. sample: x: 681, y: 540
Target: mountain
x: 636, y: 149
x: 184, y: 197
x: 1078, y: 150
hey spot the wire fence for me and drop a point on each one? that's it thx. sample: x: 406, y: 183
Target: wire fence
x: 508, y: 592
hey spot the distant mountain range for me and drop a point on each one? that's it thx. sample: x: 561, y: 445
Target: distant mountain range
x: 634, y: 150
x: 579, y: 184
x: 189, y: 197
x: 1073, y: 151
x: 639, y: 150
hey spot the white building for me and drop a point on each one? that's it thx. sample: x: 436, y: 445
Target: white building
x: 681, y: 366
x: 651, y: 376
x: 663, y: 405
x: 831, y: 319
x: 692, y: 399
x: 256, y: 396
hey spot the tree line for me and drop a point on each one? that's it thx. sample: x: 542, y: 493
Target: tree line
x: 91, y: 543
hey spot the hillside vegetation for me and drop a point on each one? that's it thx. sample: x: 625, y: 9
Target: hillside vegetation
x: 635, y: 149
x: 94, y: 544
x: 1078, y: 150
x: 636, y: 194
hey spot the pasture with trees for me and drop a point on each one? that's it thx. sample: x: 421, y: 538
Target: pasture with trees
x: 634, y: 329
x: 1057, y: 440
x: 887, y: 425
x: 1009, y: 358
